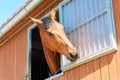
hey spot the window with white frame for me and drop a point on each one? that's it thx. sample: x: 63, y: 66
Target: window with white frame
x: 89, y: 25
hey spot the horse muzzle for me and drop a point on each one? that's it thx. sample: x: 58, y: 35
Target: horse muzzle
x: 74, y: 57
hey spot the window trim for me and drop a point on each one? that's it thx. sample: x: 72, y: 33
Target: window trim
x: 109, y: 49
x: 55, y: 76
x: 28, y: 72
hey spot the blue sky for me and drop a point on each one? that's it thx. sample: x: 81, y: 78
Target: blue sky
x: 8, y: 7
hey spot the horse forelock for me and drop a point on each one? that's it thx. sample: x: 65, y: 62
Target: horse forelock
x: 47, y: 22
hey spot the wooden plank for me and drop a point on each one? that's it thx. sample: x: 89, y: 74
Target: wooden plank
x: 5, y: 65
x: 104, y: 68
x: 97, y: 72
x: 118, y: 63
x: 90, y: 70
x: 24, y: 51
x: 19, y: 56
x: 22, y: 54
x: 17, y: 52
x: 83, y: 72
x: 116, y: 8
x: 68, y: 75
x: 12, y: 44
x: 76, y: 73
x: 9, y: 60
x: 112, y: 66
x: 2, y: 51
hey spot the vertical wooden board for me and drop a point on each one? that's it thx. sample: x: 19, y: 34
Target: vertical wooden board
x: 90, y: 70
x: 18, y: 57
x: 2, y: 63
x: 97, y: 73
x: 118, y: 63
x: 112, y: 66
x: 116, y: 9
x: 104, y: 68
x: 5, y: 63
x: 15, y: 75
x: 76, y: 73
x: 68, y: 75
x: 8, y: 60
x: 12, y: 57
x: 25, y: 50
x: 83, y: 72
x: 0, y: 60
x: 20, y: 61
x: 22, y: 54
x: 17, y: 50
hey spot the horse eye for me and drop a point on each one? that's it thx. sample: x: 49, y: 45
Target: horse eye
x: 49, y: 33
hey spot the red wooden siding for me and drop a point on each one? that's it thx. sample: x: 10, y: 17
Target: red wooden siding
x: 103, y: 68
x: 13, y: 57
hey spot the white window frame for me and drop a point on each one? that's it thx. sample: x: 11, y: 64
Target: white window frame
x: 106, y: 51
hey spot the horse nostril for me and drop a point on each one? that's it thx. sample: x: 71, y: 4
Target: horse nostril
x: 74, y: 56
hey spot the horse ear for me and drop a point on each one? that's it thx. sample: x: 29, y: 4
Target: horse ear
x: 53, y: 14
x: 36, y: 20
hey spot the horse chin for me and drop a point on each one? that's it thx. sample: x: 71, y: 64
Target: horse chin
x: 71, y: 59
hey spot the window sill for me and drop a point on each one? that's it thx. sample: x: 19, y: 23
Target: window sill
x: 55, y: 76
x: 88, y: 58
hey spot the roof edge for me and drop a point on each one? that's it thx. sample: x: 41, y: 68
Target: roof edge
x: 19, y: 16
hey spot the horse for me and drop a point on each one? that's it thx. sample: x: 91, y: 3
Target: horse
x: 54, y: 42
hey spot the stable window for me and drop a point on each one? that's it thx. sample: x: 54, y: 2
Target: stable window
x: 37, y: 67
x: 89, y: 25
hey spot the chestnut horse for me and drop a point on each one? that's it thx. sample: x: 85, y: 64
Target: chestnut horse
x: 54, y: 42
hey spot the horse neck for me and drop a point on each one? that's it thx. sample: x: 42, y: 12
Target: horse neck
x: 52, y: 59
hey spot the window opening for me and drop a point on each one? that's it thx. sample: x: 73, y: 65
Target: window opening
x: 39, y: 67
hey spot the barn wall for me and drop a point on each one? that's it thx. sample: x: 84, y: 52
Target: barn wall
x: 103, y: 68
x: 13, y: 55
